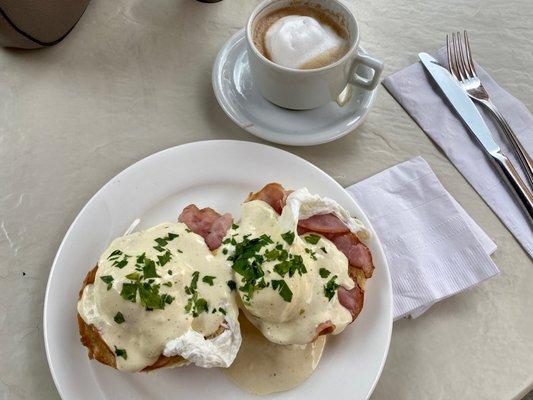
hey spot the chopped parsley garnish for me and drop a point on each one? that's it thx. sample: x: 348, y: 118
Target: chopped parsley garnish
x: 134, y: 276
x: 208, y: 279
x: 224, y: 251
x: 119, y: 318
x: 311, y: 253
x: 195, y: 305
x: 283, y: 289
x: 272, y: 254
x: 121, y: 353
x: 221, y: 310
x: 291, y: 266
x: 323, y: 272
x: 288, y: 237
x: 114, y: 255
x: 129, y: 291
x: 330, y: 287
x: 140, y: 259
x: 149, y: 269
x: 169, y: 272
x: 167, y: 284
x: 121, y: 263
x: 312, y: 238
x: 188, y: 230
x: 165, y: 258
x: 194, y: 283
x: 246, y: 261
x: 161, y: 241
x: 151, y: 299
x: 324, y: 250
x: 234, y: 226
x: 232, y: 285
x: 107, y: 279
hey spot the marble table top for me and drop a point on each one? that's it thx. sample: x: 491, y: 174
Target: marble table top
x: 134, y: 77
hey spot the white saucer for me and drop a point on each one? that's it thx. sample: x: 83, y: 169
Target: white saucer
x: 239, y: 98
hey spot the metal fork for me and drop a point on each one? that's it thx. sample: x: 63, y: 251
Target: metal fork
x: 461, y: 65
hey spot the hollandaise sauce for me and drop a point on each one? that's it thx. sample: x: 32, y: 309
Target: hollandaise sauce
x: 287, y: 284
x: 263, y: 367
x: 152, y: 287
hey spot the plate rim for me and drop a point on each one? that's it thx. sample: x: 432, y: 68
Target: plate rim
x: 262, y: 132
x: 193, y: 144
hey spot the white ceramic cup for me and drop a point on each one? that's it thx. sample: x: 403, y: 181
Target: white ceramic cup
x: 299, y: 89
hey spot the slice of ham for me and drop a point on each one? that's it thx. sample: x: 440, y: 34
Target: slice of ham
x: 358, y: 254
x: 324, y: 328
x: 330, y: 226
x: 207, y: 223
x: 273, y: 194
x: 351, y: 299
x: 323, y: 223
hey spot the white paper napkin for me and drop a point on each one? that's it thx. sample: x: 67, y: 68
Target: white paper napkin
x: 413, y: 89
x: 434, y: 249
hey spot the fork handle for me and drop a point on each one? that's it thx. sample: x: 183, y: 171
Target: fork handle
x: 523, y: 156
x: 516, y: 183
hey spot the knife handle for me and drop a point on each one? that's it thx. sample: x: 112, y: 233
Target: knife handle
x: 516, y: 183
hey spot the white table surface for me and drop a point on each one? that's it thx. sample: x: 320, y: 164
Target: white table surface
x: 134, y: 77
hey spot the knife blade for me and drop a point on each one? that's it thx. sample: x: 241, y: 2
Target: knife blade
x: 469, y: 114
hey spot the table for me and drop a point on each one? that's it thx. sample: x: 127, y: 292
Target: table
x: 134, y: 77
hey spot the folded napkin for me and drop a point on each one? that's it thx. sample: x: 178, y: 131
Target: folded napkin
x: 434, y: 249
x: 413, y: 89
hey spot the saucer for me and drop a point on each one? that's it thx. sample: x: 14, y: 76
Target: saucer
x: 240, y: 99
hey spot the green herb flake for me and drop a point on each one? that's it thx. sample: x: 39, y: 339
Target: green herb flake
x: 121, y: 353
x: 115, y: 254
x: 324, y: 273
x: 324, y: 250
x: 221, y: 310
x: 161, y: 241
x: 169, y: 272
x: 312, y: 238
x: 311, y: 253
x: 208, y: 279
x: 165, y: 258
x: 167, y: 284
x: 159, y: 248
x: 330, y: 287
x: 232, y: 285
x: 288, y: 237
x: 107, y: 279
x: 134, y: 276
x: 129, y: 291
x: 119, y: 318
x: 234, y: 226
x: 283, y: 289
x: 149, y: 269
x: 188, y: 230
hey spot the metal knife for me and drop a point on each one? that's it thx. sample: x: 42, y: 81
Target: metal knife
x: 468, y: 112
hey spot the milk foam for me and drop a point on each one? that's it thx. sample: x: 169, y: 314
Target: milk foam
x: 295, y: 40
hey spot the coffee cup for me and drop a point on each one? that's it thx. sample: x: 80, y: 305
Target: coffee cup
x: 303, y: 89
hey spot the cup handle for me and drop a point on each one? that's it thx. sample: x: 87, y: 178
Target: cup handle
x: 370, y: 62
x: 356, y: 80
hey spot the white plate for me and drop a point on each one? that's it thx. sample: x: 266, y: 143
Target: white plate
x: 238, y: 96
x: 218, y: 174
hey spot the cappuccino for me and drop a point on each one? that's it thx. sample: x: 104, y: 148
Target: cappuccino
x: 300, y: 37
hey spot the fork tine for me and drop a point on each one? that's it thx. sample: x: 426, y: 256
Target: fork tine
x: 469, y: 58
x: 450, y: 56
x: 460, y: 56
x: 455, y: 57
